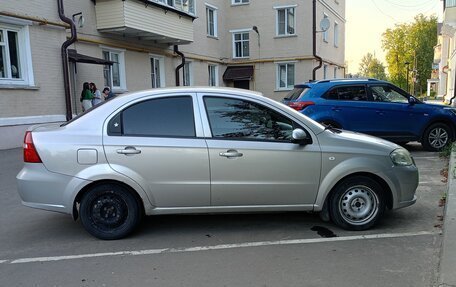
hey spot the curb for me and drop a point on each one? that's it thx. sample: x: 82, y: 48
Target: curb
x: 448, y: 259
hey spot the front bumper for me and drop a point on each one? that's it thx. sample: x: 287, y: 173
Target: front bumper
x: 403, y: 181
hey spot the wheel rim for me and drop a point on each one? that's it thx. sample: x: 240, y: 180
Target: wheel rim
x: 358, y: 205
x: 108, y: 211
x: 438, y: 138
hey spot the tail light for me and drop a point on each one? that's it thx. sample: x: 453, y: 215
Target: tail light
x: 299, y: 106
x: 30, y: 153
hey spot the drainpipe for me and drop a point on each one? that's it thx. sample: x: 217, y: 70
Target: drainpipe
x: 454, y: 93
x: 65, y: 45
x: 176, y: 50
x: 315, y: 41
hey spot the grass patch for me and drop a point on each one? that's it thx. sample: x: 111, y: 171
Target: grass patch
x: 446, y: 151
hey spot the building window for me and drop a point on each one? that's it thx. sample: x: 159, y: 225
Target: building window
x: 114, y: 75
x: 325, y: 33
x: 285, y: 76
x: 335, y: 72
x: 325, y: 71
x: 239, y: 2
x: 336, y: 34
x: 187, y: 6
x: 188, y: 77
x: 157, y: 71
x: 213, y: 75
x: 241, y: 44
x: 15, y: 56
x: 285, y: 21
x: 211, y: 18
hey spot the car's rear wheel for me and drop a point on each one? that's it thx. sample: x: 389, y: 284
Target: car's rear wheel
x: 357, y: 203
x: 436, y: 137
x: 109, y: 211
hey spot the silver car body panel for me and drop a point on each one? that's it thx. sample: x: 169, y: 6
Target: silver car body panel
x: 251, y: 179
x: 188, y: 175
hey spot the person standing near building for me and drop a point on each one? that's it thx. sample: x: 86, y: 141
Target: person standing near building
x: 108, y: 94
x: 86, y: 97
x: 96, y: 94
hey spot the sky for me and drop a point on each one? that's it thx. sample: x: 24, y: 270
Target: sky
x: 368, y: 19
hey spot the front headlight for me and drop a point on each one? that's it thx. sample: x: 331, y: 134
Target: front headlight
x: 401, y: 157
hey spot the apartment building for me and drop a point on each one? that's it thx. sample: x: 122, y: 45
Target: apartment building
x: 130, y: 45
x: 445, y: 53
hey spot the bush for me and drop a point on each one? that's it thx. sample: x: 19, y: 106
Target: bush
x: 446, y: 151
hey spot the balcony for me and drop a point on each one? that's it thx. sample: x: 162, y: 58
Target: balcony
x: 449, y: 15
x: 158, y: 21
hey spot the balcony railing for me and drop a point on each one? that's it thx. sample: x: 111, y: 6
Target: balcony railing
x: 147, y: 20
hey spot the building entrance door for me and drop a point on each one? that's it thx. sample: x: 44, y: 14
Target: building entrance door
x: 242, y: 84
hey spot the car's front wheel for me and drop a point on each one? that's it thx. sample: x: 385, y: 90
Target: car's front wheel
x: 436, y: 137
x: 357, y: 203
x: 109, y: 211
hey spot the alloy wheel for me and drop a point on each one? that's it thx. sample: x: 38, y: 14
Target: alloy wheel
x: 438, y: 137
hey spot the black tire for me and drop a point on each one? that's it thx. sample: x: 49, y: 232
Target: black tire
x: 436, y: 137
x: 109, y: 212
x: 357, y: 203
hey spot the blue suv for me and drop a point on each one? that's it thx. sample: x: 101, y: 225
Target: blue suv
x: 377, y: 108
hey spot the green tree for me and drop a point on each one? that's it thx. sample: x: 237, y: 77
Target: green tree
x: 371, y: 67
x: 411, y: 43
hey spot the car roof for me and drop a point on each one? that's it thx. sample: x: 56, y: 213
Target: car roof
x: 333, y: 82
x: 193, y: 89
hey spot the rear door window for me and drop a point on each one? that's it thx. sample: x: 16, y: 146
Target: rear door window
x: 347, y: 93
x: 163, y: 117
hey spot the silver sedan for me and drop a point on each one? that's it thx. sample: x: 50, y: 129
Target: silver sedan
x: 208, y: 150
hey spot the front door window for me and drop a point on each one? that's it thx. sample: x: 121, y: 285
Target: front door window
x: 242, y: 120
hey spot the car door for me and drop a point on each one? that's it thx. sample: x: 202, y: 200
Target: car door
x: 350, y: 107
x: 395, y: 116
x: 157, y: 143
x: 252, y: 158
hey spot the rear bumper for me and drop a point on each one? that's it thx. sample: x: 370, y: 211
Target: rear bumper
x: 42, y: 189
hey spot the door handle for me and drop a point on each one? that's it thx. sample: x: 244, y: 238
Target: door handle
x: 129, y: 150
x: 231, y: 153
x: 336, y: 109
x: 379, y: 113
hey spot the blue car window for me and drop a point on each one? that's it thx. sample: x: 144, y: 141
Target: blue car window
x: 387, y: 94
x: 347, y: 93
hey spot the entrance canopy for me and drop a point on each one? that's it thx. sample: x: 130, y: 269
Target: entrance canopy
x: 234, y: 73
x: 74, y: 56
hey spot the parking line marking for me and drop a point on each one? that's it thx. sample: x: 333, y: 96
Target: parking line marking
x: 216, y: 247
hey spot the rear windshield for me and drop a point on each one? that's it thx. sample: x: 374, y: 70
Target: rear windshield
x: 296, y: 93
x: 84, y: 113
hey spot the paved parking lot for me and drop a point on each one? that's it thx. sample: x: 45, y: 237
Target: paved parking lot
x: 39, y: 248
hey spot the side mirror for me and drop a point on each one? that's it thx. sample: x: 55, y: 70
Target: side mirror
x: 412, y: 100
x: 300, y: 137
